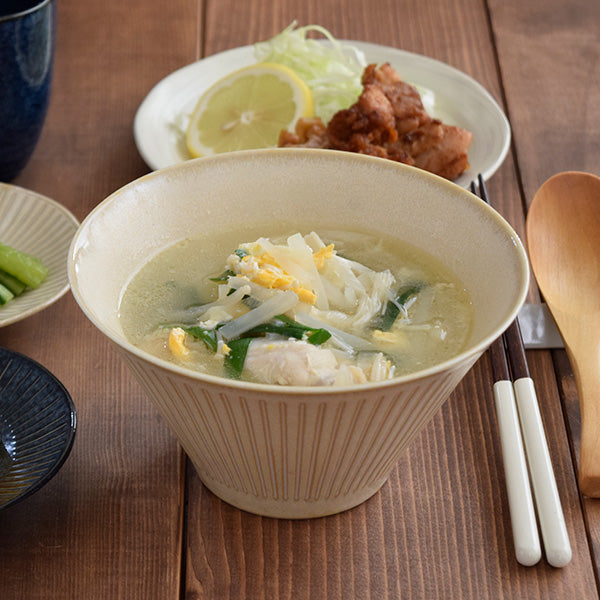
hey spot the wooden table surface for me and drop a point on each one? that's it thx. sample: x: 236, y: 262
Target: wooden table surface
x: 127, y: 516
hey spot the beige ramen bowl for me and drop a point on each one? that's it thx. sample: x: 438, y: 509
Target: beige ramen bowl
x: 296, y: 452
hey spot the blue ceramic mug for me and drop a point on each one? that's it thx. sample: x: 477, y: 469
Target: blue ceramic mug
x: 27, y: 39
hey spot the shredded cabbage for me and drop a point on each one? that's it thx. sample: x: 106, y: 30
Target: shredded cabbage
x: 332, y: 71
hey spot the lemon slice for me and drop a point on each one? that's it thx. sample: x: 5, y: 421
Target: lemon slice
x: 247, y: 109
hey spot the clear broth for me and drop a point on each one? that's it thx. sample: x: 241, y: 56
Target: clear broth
x: 179, y: 277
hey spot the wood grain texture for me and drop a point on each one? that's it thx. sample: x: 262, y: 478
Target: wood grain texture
x: 102, y: 74
x: 549, y: 54
x: 570, y: 400
x: 126, y: 517
x: 437, y: 527
x: 565, y: 255
x: 108, y: 524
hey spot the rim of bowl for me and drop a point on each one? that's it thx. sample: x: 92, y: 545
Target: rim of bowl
x: 291, y: 390
x: 25, y: 12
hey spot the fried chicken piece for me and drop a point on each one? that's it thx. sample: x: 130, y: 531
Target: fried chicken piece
x: 367, y: 127
x: 405, y: 100
x: 309, y: 133
x: 444, y: 154
x: 389, y: 121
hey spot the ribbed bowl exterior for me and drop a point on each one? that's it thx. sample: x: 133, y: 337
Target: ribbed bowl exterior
x: 294, y: 455
x: 37, y: 426
x: 277, y: 450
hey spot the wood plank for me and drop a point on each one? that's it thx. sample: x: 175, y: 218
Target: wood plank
x: 109, y: 524
x: 570, y: 400
x: 101, y: 77
x: 548, y: 54
x: 439, y: 527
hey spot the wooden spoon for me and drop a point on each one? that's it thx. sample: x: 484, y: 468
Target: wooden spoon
x: 563, y: 232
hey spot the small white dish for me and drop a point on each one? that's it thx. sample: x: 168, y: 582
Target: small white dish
x: 447, y: 93
x: 39, y: 226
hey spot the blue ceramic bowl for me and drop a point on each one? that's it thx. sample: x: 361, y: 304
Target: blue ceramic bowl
x: 37, y: 426
x: 27, y: 40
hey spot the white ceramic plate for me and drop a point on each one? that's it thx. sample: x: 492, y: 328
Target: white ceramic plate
x: 39, y: 226
x: 448, y: 94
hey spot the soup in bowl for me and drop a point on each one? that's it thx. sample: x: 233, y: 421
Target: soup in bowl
x: 297, y: 315
x: 328, y: 308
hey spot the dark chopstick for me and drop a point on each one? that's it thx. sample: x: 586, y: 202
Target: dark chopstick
x: 520, y: 420
x: 499, y: 361
x: 520, y: 501
x: 512, y: 336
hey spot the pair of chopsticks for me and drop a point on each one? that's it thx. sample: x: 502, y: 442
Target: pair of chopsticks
x: 519, y: 421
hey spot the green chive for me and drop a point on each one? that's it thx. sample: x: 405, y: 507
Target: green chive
x: 318, y: 337
x: 234, y: 361
x: 286, y: 327
x: 208, y: 336
x: 223, y: 277
x: 5, y: 295
x: 392, y: 309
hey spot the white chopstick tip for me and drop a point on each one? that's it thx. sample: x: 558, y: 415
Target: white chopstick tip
x: 524, y: 527
x: 528, y: 556
x: 560, y: 557
x: 550, y: 513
